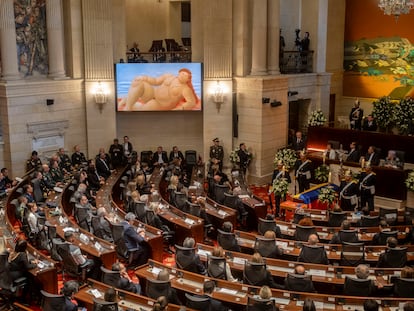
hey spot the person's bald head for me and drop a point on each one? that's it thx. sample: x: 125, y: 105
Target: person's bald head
x: 300, y: 269
x: 313, y: 239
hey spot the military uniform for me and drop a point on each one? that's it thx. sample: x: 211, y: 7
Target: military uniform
x: 303, y: 174
x: 56, y: 174
x: 78, y: 158
x: 33, y: 164
x: 367, y: 189
x: 65, y: 162
x: 348, y: 195
x: 217, y: 152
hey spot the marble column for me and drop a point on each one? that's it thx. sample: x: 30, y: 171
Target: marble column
x: 55, y: 41
x: 259, y: 38
x: 8, y: 47
x: 273, y: 34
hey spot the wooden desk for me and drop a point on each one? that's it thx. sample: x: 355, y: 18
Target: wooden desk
x: 256, y: 208
x: 107, y: 252
x: 126, y: 300
x: 104, y: 198
x: 235, y: 294
x: 292, y: 248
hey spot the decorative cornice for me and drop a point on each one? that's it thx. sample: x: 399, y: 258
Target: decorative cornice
x: 47, y: 128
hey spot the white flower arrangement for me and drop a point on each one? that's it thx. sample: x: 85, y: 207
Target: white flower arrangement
x: 384, y: 112
x: 317, y: 118
x: 287, y: 156
x: 327, y: 195
x: 280, y: 186
x: 234, y: 156
x: 404, y: 114
x: 409, y: 182
x: 322, y: 173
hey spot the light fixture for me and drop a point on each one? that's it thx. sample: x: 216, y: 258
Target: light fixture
x: 396, y: 7
x: 218, y: 97
x: 101, y: 96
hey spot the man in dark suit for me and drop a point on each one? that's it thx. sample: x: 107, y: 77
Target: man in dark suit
x: 367, y: 183
x: 160, y: 158
x: 127, y: 147
x: 299, y: 284
x: 369, y: 124
x: 102, y: 166
x: 353, y: 155
x: 345, y: 234
x: 175, y: 153
x: 68, y: 290
x: 78, y: 157
x: 244, y: 157
x: 215, y: 305
x: 348, y: 193
x: 372, y: 156
x: 299, y: 142
x: 303, y: 172
x: 134, y: 241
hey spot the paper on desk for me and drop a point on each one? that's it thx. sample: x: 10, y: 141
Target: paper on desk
x: 96, y: 293
x: 189, y: 221
x: 239, y: 260
x: 222, y: 213
x: 41, y: 265
x: 227, y: 291
x: 353, y: 307
x: 317, y: 272
x: 282, y: 244
x: 283, y: 227
x: 203, y: 252
x: 244, y: 196
x: 155, y: 270
x: 282, y: 301
x: 68, y: 229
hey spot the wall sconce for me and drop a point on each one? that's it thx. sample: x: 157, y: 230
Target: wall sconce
x: 265, y: 100
x: 218, y: 96
x: 275, y: 103
x: 101, y: 96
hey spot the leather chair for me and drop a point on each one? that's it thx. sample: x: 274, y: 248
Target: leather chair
x: 393, y: 258
x: 352, y: 254
x: 404, y: 288
x: 264, y: 225
x: 258, y: 304
x: 267, y: 248
x: 82, y: 216
x: 111, y: 278
x: 219, y: 191
x: 102, y: 305
x: 180, y: 200
x: 384, y: 235
x: 302, y: 233
x: 69, y: 265
x: 197, y: 303
x: 358, y: 287
x: 369, y: 221
x: 216, y: 267
x: 313, y: 254
x: 336, y: 219
x: 390, y: 215
x: 349, y: 236
x: 119, y: 241
x: 190, y: 157
x: 184, y: 258
x: 227, y: 240
x: 409, y: 215
x: 138, y: 208
x: 254, y: 273
x: 52, y: 302
x: 10, y: 290
x: 299, y: 283
x: 156, y: 288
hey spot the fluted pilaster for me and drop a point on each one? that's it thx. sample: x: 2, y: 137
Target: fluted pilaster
x: 259, y: 38
x: 273, y: 34
x: 8, y: 49
x: 55, y: 41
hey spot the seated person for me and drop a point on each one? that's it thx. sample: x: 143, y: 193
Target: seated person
x: 104, y: 224
x: 265, y: 293
x: 228, y: 242
x: 329, y: 153
x: 126, y: 282
x: 369, y: 124
x: 219, y: 252
x: 19, y: 263
x: 371, y: 305
x: 208, y: 289
x: 259, y: 276
x: 272, y: 252
x: 308, y: 305
x: 164, y: 275
x: 345, y: 236
x: 377, y: 238
x: 161, y: 304
x: 103, y: 165
x: 392, y: 160
x: 56, y: 172
x: 386, y: 261
x: 188, y: 259
x: 318, y: 257
x: 372, y: 156
x: 142, y: 186
x: 160, y: 158
x: 362, y: 273
x: 353, y: 155
x: 68, y: 290
x: 407, y: 272
x: 299, y: 284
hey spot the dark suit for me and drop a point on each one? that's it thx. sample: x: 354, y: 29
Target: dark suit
x: 117, y: 154
x: 355, y: 117
x: 367, y: 189
x: 215, y: 305
x: 348, y: 195
x: 69, y: 305
x: 369, y: 126
x: 135, y: 241
x: 341, y: 237
x: 103, y: 168
x: 374, y: 159
x: 156, y: 160
x: 78, y: 158
x: 299, y: 285
x: 303, y: 173
x: 353, y: 156
x: 298, y: 144
x: 244, y: 160
x: 174, y: 155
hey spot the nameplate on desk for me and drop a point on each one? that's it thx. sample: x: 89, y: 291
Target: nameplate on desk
x: 155, y: 270
x: 96, y: 293
x: 203, y: 252
x: 222, y: 213
x: 69, y: 229
x: 317, y: 272
x: 227, y: 291
x: 192, y: 188
x: 238, y: 260
x: 323, y: 234
x: 282, y: 301
x: 353, y: 307
x: 283, y: 227
x: 84, y: 238
x: 62, y: 221
x: 98, y: 247
x: 282, y: 244
x: 41, y: 265
x: 189, y: 221
x: 58, y: 189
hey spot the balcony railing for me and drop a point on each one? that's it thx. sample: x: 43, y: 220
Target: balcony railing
x: 160, y: 57
x: 296, y: 62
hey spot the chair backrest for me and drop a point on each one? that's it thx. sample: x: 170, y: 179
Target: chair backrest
x: 138, y: 208
x: 395, y: 258
x: 82, y: 216
x: 230, y: 200
x: 184, y: 257
x: 384, y: 235
x: 370, y: 221
x: 258, y: 304
x: 156, y: 288
x: 352, y: 254
x: 102, y: 305
x: 186, y: 41
x: 216, y: 267
x: 408, y: 215
x: 111, y: 278
x: 350, y: 236
x: 266, y: 247
x: 227, y: 240
x: 219, y: 191
x: 97, y: 227
x: 146, y: 156
x: 119, y: 241
x: 390, y: 215
x: 336, y: 218
x: 180, y: 200
x: 404, y: 288
x: 400, y: 155
x: 254, y: 273
x: 302, y: 233
x: 191, y: 157
x: 197, y: 303
x: 313, y: 254
x: 69, y: 264
x: 193, y: 209
x: 52, y: 302
x: 155, y: 47
x: 5, y: 280
x: 264, y: 225
x: 357, y: 287
x: 299, y: 283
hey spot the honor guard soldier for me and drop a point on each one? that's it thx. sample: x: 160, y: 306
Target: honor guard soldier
x: 303, y: 171
x: 367, y: 187
x: 348, y: 193
x: 217, y: 154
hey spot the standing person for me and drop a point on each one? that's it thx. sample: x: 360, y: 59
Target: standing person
x: 303, y: 172
x: 217, y: 154
x: 280, y: 173
x: 127, y: 146
x: 244, y: 157
x: 355, y: 117
x: 299, y: 142
x: 367, y: 183
x: 348, y: 193
x: 116, y: 152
